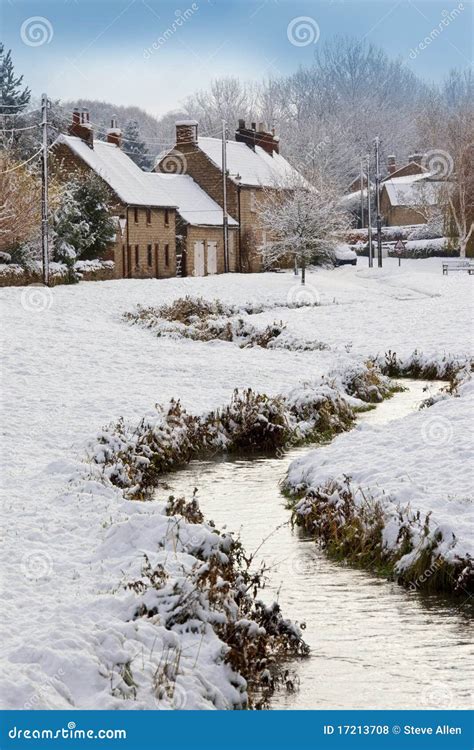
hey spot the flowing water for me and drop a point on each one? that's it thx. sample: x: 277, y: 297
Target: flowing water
x: 374, y: 645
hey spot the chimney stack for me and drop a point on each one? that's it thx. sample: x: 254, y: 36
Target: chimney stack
x: 391, y: 164
x: 261, y: 137
x: 80, y: 127
x: 415, y: 159
x: 114, y: 134
x: 186, y: 132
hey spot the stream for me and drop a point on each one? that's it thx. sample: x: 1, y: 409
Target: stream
x: 374, y: 645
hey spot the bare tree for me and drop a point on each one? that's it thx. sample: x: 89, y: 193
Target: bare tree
x: 19, y: 203
x: 303, y: 224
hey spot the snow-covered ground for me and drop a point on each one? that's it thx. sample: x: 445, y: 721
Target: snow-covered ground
x: 72, y: 365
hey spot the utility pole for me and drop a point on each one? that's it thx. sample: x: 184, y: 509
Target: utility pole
x: 361, y: 194
x: 44, y: 189
x: 377, y: 196
x: 224, y: 197
x: 369, y: 215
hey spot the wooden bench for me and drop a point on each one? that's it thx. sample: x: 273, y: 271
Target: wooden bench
x: 458, y: 265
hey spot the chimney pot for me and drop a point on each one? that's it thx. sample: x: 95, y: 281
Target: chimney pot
x: 187, y: 131
x: 391, y: 164
x: 241, y: 124
x: 80, y: 127
x: 415, y: 159
x: 114, y: 134
x: 254, y: 126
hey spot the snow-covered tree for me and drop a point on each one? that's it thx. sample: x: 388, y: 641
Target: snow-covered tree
x: 14, y: 96
x: 134, y: 146
x: 82, y: 225
x: 302, y: 224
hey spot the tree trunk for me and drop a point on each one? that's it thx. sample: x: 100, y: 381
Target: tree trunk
x: 303, y: 271
x: 462, y: 248
x: 296, y: 266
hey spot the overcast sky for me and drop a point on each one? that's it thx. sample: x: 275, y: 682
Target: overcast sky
x: 115, y: 50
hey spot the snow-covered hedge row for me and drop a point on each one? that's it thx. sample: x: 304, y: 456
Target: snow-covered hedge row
x: 12, y: 274
x: 134, y: 456
x: 438, y: 366
x: 426, y: 248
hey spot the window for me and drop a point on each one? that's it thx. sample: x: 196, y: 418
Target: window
x: 167, y: 255
x: 148, y: 216
x: 253, y: 201
x: 135, y: 215
x: 137, y: 255
x: 167, y: 219
x: 149, y: 255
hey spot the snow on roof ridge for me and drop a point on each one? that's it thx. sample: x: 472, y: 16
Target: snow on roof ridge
x: 120, y: 172
x: 256, y: 167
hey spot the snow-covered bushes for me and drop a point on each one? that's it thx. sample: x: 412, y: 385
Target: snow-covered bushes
x: 426, y: 248
x: 202, y: 320
x: 351, y: 524
x: 133, y: 457
x: 428, y: 367
x: 428, y: 231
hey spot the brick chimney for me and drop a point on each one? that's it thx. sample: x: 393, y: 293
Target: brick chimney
x: 81, y: 127
x: 261, y: 137
x: 114, y: 134
x: 391, y: 164
x: 415, y: 159
x: 186, y: 132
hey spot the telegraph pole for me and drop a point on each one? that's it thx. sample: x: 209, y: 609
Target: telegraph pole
x: 361, y: 194
x: 44, y: 189
x: 377, y: 196
x: 369, y: 216
x: 224, y: 197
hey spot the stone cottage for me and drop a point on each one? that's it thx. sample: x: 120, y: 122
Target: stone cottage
x: 254, y: 165
x: 167, y: 225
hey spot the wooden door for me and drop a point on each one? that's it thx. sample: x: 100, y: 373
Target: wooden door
x: 212, y: 257
x: 199, y: 268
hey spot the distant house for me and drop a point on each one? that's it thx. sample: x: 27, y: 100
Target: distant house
x: 406, y: 194
x: 254, y: 165
x: 406, y: 200
x: 166, y: 224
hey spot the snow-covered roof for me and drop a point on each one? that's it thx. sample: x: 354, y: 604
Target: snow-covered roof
x: 194, y: 205
x: 256, y: 168
x: 126, y: 179
x: 412, y: 190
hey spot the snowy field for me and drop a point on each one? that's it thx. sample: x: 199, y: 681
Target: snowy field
x: 71, y: 365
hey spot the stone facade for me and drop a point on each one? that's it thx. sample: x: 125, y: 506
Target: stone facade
x: 147, y: 247
x: 242, y: 201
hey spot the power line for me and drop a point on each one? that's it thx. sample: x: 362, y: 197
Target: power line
x: 18, y: 130
x: 18, y: 166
